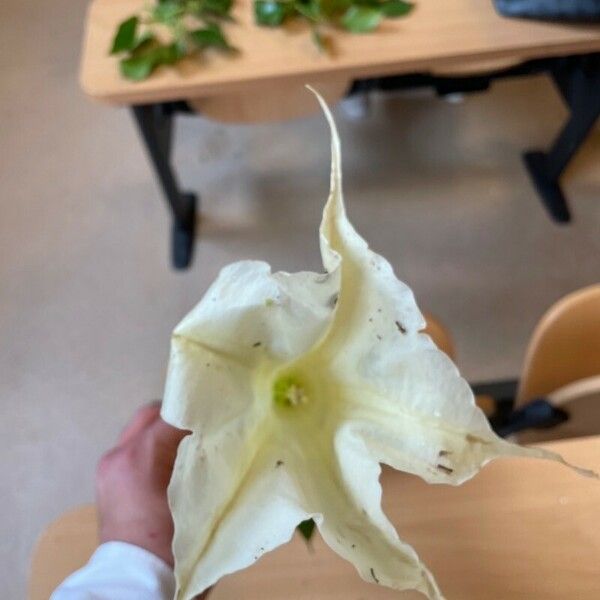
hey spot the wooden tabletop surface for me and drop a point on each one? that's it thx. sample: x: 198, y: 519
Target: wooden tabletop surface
x: 521, y: 529
x: 439, y: 34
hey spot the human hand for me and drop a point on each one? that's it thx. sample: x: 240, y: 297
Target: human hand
x: 131, y: 484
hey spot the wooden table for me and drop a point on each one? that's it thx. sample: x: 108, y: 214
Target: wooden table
x: 521, y: 529
x: 453, y: 45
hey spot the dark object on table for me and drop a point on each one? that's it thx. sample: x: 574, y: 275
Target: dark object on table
x: 581, y: 11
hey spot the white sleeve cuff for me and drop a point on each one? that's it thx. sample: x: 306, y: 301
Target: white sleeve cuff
x: 119, y: 571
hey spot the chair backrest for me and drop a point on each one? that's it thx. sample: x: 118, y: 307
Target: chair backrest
x: 564, y: 347
x: 440, y: 334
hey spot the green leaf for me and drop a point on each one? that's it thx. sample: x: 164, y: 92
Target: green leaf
x: 167, y: 12
x: 211, y: 36
x: 137, y: 68
x: 167, y: 55
x: 396, y: 8
x: 217, y: 7
x: 361, y: 19
x: 332, y: 9
x: 307, y: 528
x: 144, y: 60
x: 270, y: 12
x: 143, y: 40
x: 125, y: 37
x: 194, y: 7
x: 181, y: 46
x: 311, y: 10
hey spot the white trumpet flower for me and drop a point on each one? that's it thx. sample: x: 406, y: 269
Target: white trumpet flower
x: 296, y: 386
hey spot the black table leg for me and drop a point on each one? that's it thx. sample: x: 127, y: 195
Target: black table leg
x: 578, y: 79
x: 155, y: 122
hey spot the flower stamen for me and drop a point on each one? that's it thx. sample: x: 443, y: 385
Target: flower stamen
x: 288, y: 392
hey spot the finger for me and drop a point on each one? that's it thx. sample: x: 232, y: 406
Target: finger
x: 141, y: 420
x: 166, y: 435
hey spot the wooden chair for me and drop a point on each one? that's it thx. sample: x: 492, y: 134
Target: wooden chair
x: 440, y: 335
x: 564, y: 347
x: 562, y: 364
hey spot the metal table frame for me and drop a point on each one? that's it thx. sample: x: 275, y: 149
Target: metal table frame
x: 577, y: 78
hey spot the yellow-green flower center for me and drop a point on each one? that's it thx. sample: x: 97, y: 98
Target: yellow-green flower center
x: 289, y: 392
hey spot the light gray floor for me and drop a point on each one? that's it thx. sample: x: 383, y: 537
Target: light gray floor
x: 87, y: 299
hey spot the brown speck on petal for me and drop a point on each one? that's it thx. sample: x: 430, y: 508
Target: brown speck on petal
x: 445, y: 469
x: 374, y: 576
x: 333, y: 300
x: 444, y: 453
x: 256, y: 344
x: 400, y: 327
x: 473, y: 439
x: 278, y: 463
x: 378, y: 337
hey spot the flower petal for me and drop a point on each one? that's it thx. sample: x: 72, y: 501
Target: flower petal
x: 339, y: 480
x: 248, y: 317
x: 414, y: 411
x: 375, y: 312
x: 226, y: 510
x: 374, y: 348
x: 422, y: 419
x: 231, y: 503
x: 248, y: 305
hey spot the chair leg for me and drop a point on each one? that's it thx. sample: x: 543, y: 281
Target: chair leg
x: 578, y: 79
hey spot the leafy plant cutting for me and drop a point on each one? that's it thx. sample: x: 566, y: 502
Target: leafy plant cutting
x: 296, y: 387
x: 355, y: 16
x: 170, y: 30
x: 189, y: 26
